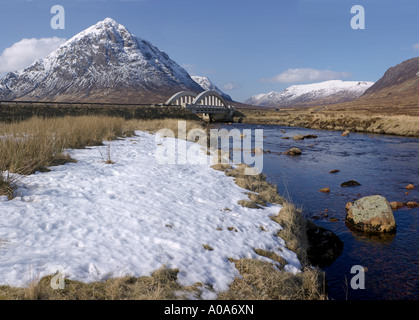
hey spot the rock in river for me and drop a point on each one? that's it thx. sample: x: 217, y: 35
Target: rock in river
x: 412, y: 204
x: 293, y: 152
x: 307, y: 136
x: 323, y: 245
x: 396, y: 205
x: 350, y: 183
x: 371, y: 214
x: 298, y: 137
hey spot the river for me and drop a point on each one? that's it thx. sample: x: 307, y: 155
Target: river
x: 382, y: 165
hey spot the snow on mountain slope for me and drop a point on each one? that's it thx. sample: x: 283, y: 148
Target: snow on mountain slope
x: 104, y: 63
x: 332, y: 91
x: 207, y: 84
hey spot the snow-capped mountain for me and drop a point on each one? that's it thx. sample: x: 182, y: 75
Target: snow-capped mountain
x: 104, y: 63
x: 207, y: 84
x: 327, y: 92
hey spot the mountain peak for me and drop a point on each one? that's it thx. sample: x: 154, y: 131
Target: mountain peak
x: 101, y: 28
x: 103, y: 63
x: 108, y: 22
x: 207, y: 84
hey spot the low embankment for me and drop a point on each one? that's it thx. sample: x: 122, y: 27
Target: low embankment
x: 20, y: 110
x: 393, y: 124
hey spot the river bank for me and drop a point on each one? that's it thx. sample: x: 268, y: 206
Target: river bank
x: 382, y: 164
x: 324, y: 119
x: 104, y: 177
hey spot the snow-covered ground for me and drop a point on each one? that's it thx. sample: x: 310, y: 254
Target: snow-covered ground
x: 92, y: 220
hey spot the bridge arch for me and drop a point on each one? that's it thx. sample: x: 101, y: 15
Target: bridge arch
x: 210, y: 104
x: 212, y: 98
x: 181, y: 98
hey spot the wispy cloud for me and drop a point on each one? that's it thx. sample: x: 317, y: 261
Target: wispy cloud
x: 24, y: 52
x: 231, y: 86
x: 190, y: 68
x: 416, y: 46
x: 306, y: 75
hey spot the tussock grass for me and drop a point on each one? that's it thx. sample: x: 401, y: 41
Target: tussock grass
x: 262, y: 280
x: 265, y: 191
x: 7, y: 185
x: 294, y: 230
x: 161, y: 285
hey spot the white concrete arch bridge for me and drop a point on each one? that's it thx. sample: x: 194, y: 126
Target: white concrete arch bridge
x: 210, y: 104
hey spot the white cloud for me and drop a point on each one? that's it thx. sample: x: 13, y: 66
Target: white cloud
x: 307, y: 75
x: 416, y: 46
x: 231, y: 86
x: 22, y: 53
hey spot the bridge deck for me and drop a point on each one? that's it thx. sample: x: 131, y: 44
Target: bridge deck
x: 206, y: 108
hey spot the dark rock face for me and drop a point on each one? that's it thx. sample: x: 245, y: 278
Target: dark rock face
x: 396, y: 75
x: 324, y: 246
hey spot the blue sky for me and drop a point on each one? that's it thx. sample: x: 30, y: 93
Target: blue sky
x: 244, y: 47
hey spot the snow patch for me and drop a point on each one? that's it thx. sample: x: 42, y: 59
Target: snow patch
x: 92, y: 220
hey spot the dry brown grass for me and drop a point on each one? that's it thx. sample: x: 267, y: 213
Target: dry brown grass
x: 340, y: 119
x: 293, y: 231
x: 161, y: 285
x: 265, y: 191
x: 263, y: 281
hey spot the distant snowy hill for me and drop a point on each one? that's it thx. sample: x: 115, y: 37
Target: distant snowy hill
x: 327, y: 92
x: 207, y: 84
x: 104, y: 63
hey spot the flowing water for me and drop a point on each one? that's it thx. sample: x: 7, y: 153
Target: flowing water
x: 382, y: 165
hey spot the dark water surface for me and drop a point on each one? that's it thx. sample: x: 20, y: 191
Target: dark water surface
x: 382, y: 165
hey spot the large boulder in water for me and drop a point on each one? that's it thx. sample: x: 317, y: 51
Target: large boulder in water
x: 371, y: 214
